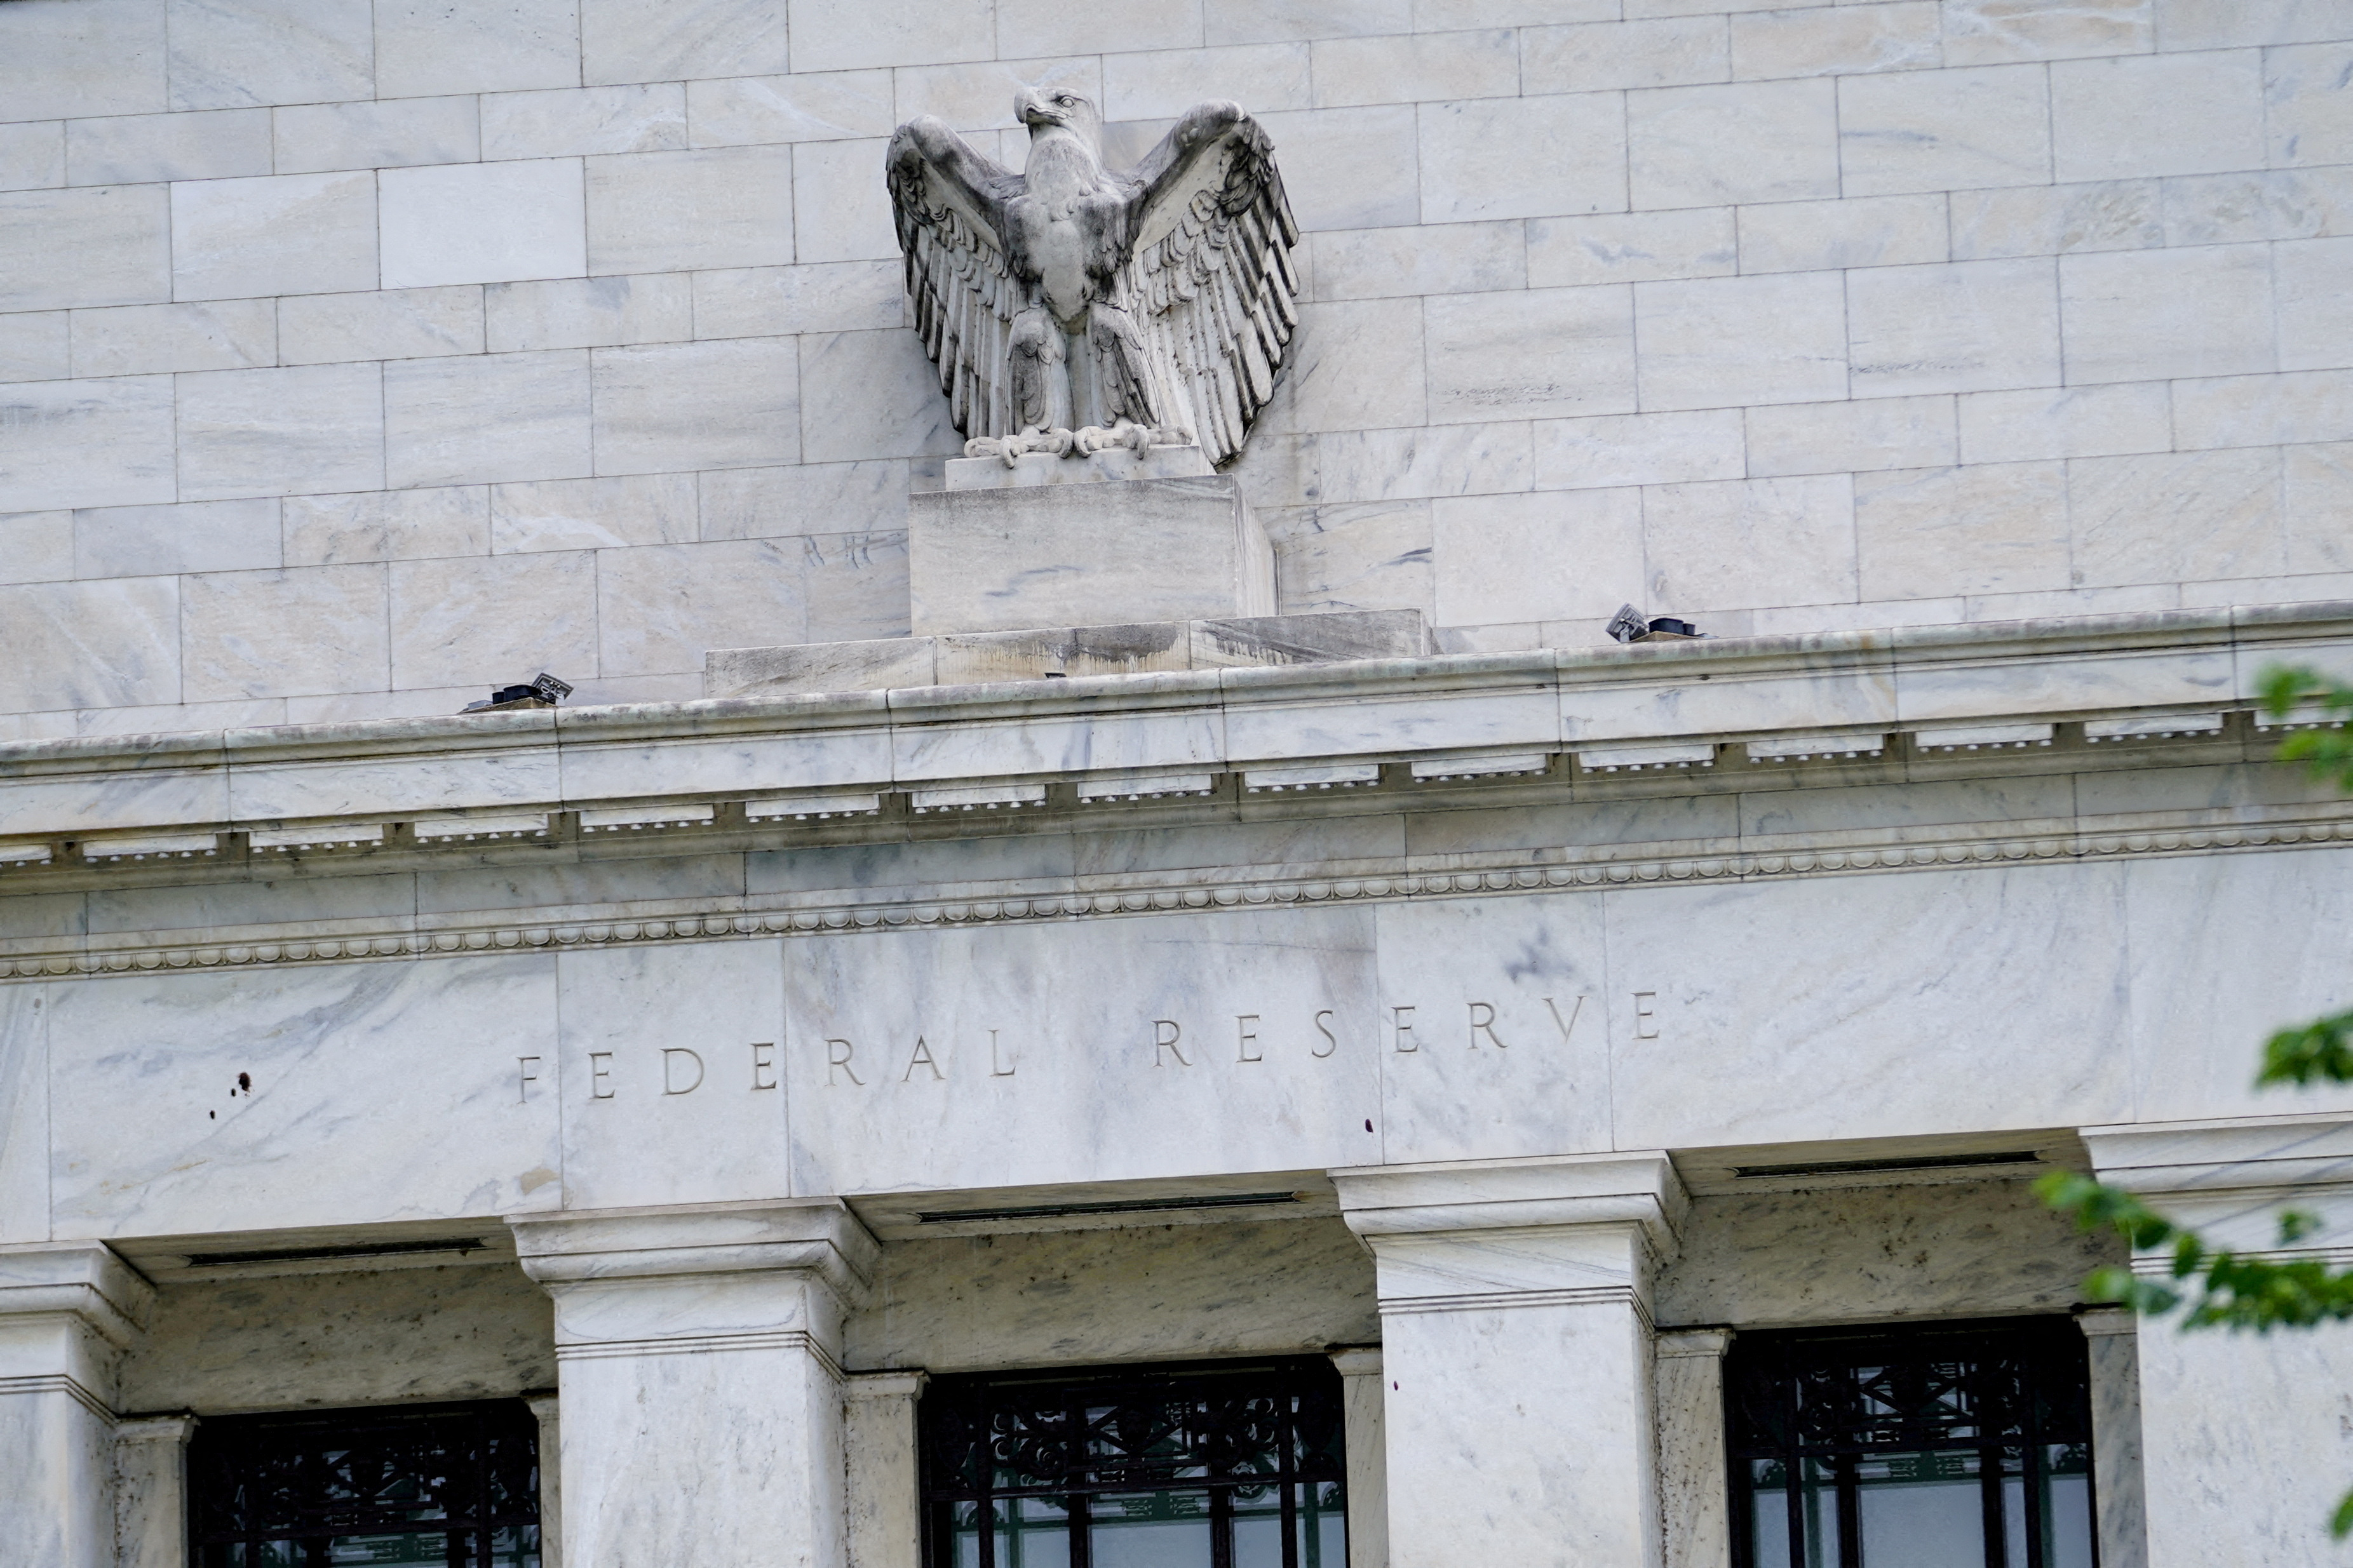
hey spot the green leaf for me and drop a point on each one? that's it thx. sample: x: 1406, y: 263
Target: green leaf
x: 2279, y: 687
x: 2319, y: 1051
x: 2340, y: 1523
x: 2283, y: 690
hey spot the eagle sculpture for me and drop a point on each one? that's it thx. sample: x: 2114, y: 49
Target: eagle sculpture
x: 1070, y: 309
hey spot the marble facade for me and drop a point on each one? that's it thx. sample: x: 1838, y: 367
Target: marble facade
x: 1431, y: 1015
x: 985, y: 917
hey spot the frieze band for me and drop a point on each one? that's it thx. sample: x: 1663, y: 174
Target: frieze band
x: 1599, y: 869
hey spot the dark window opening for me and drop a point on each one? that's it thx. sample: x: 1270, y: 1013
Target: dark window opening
x: 454, y: 1486
x: 1227, y: 1465
x: 1951, y: 1446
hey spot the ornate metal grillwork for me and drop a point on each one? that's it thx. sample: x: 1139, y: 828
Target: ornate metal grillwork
x: 1933, y: 1448
x: 1222, y: 1467
x: 455, y: 1486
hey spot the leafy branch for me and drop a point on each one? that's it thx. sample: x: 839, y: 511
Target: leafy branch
x: 2307, y: 697
x: 2217, y: 1286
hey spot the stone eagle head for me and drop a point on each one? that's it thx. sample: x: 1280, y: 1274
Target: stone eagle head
x: 1044, y: 109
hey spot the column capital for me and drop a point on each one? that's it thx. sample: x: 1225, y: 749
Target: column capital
x: 2228, y: 1179
x: 818, y: 1236
x: 891, y: 1384
x: 2229, y: 1155
x: 84, y: 1279
x: 1639, y: 1189
x: 177, y: 1427
x: 2103, y: 1322
x: 1358, y: 1361
x: 1708, y: 1341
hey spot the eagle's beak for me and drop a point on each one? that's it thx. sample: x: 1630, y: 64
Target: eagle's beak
x: 1032, y: 109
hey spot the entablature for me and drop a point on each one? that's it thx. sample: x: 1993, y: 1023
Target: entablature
x: 1829, y: 725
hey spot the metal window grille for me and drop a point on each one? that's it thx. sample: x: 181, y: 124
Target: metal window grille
x: 454, y: 1486
x: 1206, y: 1467
x: 1955, y: 1446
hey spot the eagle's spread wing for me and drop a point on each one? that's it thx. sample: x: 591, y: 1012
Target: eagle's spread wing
x: 1209, y: 278
x: 949, y: 203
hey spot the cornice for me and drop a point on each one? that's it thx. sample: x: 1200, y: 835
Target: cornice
x: 1006, y: 743
x: 1567, y: 870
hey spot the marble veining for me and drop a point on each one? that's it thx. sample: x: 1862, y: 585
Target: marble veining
x: 1140, y: 1292
x: 324, y: 1095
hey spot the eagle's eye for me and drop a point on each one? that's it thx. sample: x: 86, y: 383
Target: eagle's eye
x: 1064, y: 98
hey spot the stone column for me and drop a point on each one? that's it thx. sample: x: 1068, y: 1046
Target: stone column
x: 1692, y: 1479
x: 2113, y: 1336
x: 2246, y: 1440
x: 698, y: 1356
x: 68, y: 1312
x: 881, y: 1469
x: 150, y: 1491
x: 544, y: 1408
x: 1515, y: 1339
x: 1361, y: 1389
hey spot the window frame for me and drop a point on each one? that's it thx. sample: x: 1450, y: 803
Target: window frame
x: 1312, y: 1378
x: 220, y: 1442
x: 2052, y: 1413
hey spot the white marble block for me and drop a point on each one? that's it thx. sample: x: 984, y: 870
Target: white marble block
x: 1086, y: 554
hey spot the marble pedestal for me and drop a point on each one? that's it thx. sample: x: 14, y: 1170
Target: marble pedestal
x: 2246, y: 1440
x: 1074, y: 555
x: 698, y: 1355
x: 1516, y: 1340
x: 68, y: 1313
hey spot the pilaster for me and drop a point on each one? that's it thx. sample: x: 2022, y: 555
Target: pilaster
x: 68, y: 1312
x: 2246, y: 1440
x: 1361, y: 1388
x: 546, y: 1409
x: 1692, y: 1517
x: 2112, y: 1336
x: 881, y: 1469
x: 1516, y: 1344
x: 150, y: 1491
x: 698, y: 1356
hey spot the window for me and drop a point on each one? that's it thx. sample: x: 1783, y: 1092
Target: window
x: 1958, y: 1446
x: 455, y: 1486
x: 1216, y: 1467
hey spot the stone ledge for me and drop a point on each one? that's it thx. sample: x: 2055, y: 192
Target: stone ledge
x: 969, y: 658
x: 698, y: 756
